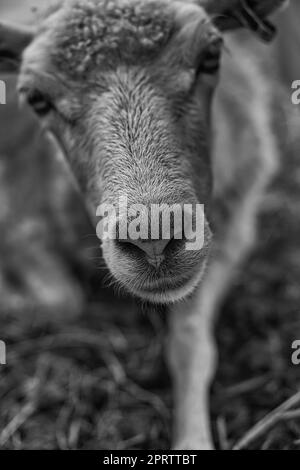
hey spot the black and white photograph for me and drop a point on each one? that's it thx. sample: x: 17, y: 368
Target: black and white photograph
x: 149, y: 228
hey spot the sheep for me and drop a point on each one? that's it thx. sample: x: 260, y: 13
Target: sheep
x: 128, y: 90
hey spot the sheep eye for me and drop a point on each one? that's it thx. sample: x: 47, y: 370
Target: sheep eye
x: 40, y: 103
x: 209, y: 62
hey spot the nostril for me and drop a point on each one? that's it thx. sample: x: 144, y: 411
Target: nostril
x: 153, y: 249
x: 164, y: 237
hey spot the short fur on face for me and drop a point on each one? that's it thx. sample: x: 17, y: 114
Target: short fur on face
x: 130, y: 106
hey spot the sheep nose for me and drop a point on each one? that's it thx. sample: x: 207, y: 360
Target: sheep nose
x: 153, y: 249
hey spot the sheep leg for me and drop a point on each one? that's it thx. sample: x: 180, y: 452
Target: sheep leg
x: 191, y: 355
x: 191, y: 348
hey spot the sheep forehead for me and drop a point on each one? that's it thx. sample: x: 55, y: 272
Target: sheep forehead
x: 85, y: 34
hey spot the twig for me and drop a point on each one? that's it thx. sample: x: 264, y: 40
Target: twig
x: 246, y: 386
x: 17, y: 422
x: 222, y: 433
x: 267, y: 422
x: 290, y: 415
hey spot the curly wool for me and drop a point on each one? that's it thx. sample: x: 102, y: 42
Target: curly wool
x: 89, y: 33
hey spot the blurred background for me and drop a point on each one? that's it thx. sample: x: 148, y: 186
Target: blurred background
x: 85, y: 368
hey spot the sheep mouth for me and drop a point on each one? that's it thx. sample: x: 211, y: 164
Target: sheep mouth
x: 170, y: 291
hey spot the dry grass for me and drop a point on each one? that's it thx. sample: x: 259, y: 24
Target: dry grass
x: 83, y: 385
x: 260, y: 320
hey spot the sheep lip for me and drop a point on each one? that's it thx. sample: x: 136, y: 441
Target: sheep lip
x: 165, y: 285
x: 172, y: 293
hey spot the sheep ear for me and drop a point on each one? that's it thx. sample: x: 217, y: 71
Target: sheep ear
x: 251, y: 14
x: 13, y: 41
